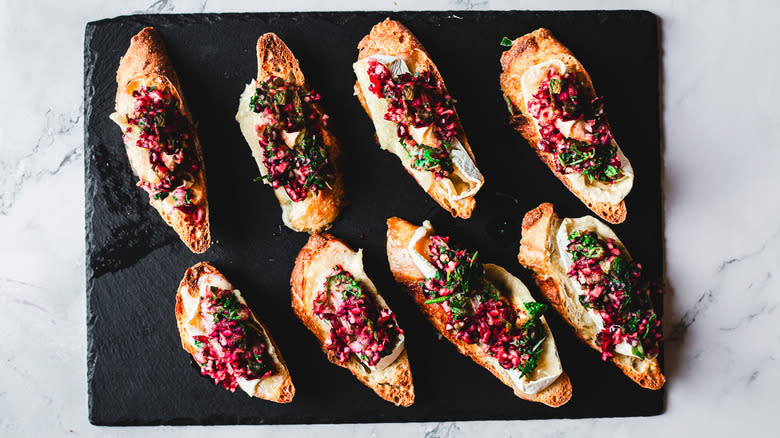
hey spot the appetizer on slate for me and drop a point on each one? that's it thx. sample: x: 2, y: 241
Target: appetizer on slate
x: 586, y: 273
x: 335, y: 299
x: 486, y: 312
x: 286, y: 130
x: 553, y: 104
x: 402, y: 91
x: 225, y: 338
x: 160, y: 138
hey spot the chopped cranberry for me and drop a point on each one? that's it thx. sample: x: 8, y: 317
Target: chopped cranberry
x: 233, y: 348
x: 358, y: 325
x: 561, y: 98
x: 614, y: 288
x: 165, y: 132
x: 302, y: 167
x: 477, y: 313
x: 418, y: 101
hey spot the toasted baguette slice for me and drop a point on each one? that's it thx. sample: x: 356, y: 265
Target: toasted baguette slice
x: 539, y: 252
x: 394, y: 39
x: 533, y: 49
x: 312, y: 266
x: 318, y: 211
x: 399, y: 233
x: 277, y: 387
x: 145, y: 64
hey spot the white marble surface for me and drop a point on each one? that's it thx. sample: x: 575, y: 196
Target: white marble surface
x: 722, y: 236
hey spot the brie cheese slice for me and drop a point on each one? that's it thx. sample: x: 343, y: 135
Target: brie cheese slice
x: 422, y: 263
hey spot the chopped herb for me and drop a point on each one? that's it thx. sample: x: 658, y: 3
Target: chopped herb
x: 611, y: 171
x: 509, y: 106
x: 438, y: 299
x: 534, y: 309
x: 555, y: 86
x: 506, y: 42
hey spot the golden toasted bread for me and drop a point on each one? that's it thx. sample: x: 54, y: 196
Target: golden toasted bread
x: 312, y: 266
x: 405, y: 272
x: 532, y: 49
x: 318, y: 211
x: 394, y: 39
x: 277, y: 387
x: 539, y: 252
x: 145, y: 64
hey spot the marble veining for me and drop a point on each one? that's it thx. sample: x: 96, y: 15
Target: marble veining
x: 721, y: 156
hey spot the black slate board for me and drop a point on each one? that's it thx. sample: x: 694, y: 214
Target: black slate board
x: 138, y: 373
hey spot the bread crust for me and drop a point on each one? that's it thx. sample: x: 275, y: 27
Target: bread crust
x: 322, y: 209
x: 530, y: 49
x: 399, y: 232
x: 538, y: 233
x: 393, y: 383
x: 147, y: 59
x: 393, y: 38
x: 281, y: 393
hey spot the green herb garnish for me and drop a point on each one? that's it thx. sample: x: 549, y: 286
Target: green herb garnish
x: 555, y: 86
x: 438, y: 299
x: 506, y: 42
x: 534, y: 309
x: 509, y: 106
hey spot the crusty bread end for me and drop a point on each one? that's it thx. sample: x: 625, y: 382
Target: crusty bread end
x: 537, y: 246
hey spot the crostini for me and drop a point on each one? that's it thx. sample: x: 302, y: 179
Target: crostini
x: 588, y: 276
x: 160, y: 138
x: 403, y: 92
x: 553, y: 104
x: 339, y: 304
x: 486, y: 312
x: 286, y: 129
x: 225, y: 338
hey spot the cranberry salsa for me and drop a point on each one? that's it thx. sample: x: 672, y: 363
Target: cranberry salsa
x: 235, y: 347
x: 613, y: 288
x: 358, y: 325
x: 286, y: 108
x: 418, y: 101
x: 478, y: 313
x: 560, y: 101
x: 167, y: 134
